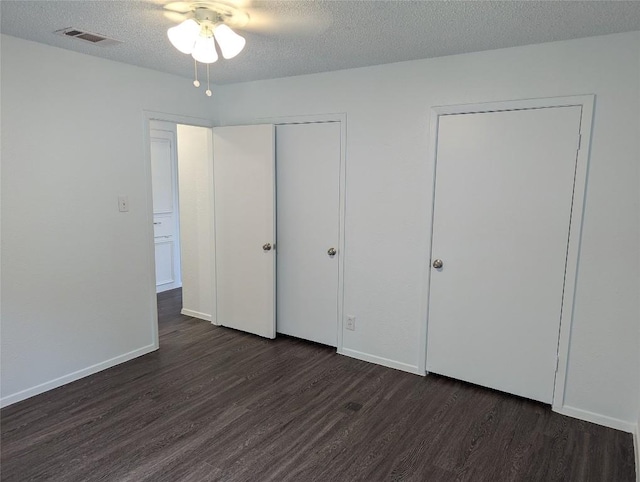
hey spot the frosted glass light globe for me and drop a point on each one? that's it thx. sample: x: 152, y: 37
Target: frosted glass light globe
x: 183, y: 36
x: 231, y: 44
x: 205, y: 50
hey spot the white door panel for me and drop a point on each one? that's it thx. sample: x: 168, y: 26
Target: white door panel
x: 504, y: 187
x: 165, y: 213
x: 162, y: 169
x: 163, y: 225
x: 244, y: 180
x: 164, y: 262
x: 308, y: 193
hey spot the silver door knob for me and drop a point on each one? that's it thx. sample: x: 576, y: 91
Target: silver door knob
x: 332, y: 252
x: 437, y: 263
x: 266, y: 247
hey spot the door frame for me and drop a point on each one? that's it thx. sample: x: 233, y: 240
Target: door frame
x: 315, y: 119
x: 147, y: 117
x: 587, y: 103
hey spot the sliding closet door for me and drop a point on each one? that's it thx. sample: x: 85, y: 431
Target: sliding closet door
x: 244, y: 187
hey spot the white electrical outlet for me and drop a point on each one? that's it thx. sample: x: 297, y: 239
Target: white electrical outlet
x: 351, y: 323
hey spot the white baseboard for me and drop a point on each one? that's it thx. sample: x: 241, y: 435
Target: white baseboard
x: 603, y: 420
x: 167, y: 287
x: 196, y: 314
x: 385, y: 362
x: 77, y: 375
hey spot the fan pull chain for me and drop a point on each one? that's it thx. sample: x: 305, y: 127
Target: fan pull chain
x: 196, y: 82
x: 208, y: 91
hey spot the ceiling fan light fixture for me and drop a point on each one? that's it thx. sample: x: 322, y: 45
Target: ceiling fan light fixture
x: 183, y: 37
x: 205, y: 50
x: 231, y: 44
x: 199, y: 34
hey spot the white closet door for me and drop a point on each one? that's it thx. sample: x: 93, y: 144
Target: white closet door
x: 244, y: 188
x: 308, y: 194
x: 504, y: 187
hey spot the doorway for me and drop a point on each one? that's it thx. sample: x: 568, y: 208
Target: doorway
x: 180, y: 213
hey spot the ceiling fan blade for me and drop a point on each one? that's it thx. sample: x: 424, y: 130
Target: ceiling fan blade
x: 178, y: 7
x: 266, y: 22
x: 175, y: 17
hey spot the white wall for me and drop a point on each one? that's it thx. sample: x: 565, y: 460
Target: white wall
x: 78, y: 292
x: 195, y: 176
x: 388, y: 190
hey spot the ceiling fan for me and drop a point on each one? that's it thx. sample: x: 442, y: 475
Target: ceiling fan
x: 205, y: 24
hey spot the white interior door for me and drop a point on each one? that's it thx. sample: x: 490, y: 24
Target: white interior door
x: 165, y: 210
x: 244, y: 189
x: 308, y: 196
x: 504, y: 187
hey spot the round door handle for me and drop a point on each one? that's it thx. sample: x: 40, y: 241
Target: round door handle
x: 266, y: 247
x: 437, y: 263
x: 332, y: 252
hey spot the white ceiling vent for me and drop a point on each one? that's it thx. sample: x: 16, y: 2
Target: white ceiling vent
x: 93, y: 38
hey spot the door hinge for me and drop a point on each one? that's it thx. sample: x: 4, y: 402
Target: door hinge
x: 557, y: 363
x: 579, y: 141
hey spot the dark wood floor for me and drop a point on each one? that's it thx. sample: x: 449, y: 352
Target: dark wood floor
x: 216, y: 404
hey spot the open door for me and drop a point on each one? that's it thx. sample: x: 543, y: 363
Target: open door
x: 244, y: 215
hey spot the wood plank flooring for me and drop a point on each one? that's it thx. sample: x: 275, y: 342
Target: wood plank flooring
x: 216, y: 404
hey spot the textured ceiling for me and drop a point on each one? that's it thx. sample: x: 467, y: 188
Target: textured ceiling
x: 296, y: 37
